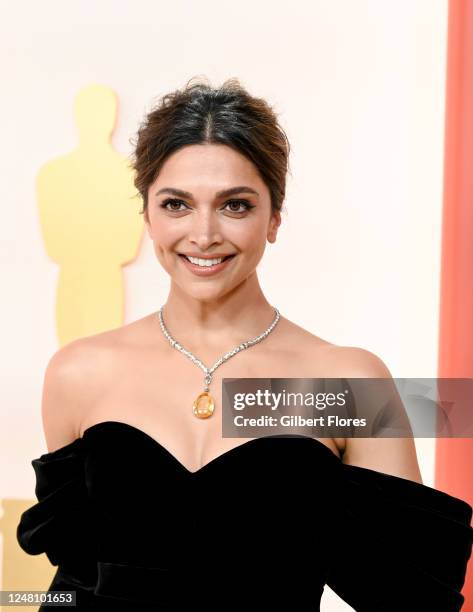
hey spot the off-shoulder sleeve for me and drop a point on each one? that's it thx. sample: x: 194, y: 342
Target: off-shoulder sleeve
x: 398, y: 544
x: 60, y: 523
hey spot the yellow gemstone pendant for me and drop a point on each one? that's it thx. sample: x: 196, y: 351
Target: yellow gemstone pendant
x: 203, y: 406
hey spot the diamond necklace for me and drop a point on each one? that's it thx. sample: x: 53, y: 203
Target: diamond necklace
x: 204, y: 404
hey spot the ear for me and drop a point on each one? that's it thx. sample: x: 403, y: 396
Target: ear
x: 274, y: 224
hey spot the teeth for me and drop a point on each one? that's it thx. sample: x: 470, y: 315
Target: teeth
x: 205, y: 262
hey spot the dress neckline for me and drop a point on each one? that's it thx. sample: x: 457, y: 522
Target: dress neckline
x: 370, y: 480
x: 250, y: 443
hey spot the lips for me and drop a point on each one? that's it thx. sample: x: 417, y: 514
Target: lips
x: 226, y: 257
x: 206, y: 270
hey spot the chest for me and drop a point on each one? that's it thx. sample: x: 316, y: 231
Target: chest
x: 154, y: 391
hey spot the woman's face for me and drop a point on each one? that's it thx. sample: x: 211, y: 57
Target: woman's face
x: 187, y: 215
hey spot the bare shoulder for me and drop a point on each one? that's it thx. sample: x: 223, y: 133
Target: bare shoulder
x: 395, y: 456
x: 72, y: 380
x: 78, y: 373
x: 298, y: 339
x: 355, y: 362
x: 338, y: 361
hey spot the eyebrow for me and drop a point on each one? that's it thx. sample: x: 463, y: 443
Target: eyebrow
x: 220, y: 194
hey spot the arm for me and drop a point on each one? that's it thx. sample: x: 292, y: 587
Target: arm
x: 397, y: 541
x: 63, y: 395
x: 396, y: 456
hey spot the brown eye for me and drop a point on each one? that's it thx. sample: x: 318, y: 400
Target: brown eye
x: 239, y: 203
x: 172, y: 201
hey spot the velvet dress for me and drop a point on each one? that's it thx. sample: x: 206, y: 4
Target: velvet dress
x: 265, y: 526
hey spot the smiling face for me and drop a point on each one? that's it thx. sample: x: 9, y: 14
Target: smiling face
x: 209, y: 201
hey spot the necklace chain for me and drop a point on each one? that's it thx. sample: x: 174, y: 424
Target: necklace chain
x: 209, y: 371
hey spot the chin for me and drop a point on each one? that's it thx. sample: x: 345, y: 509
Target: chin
x: 205, y: 294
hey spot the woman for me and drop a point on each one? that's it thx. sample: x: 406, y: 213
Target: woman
x: 142, y: 503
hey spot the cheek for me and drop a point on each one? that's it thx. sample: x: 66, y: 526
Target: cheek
x: 248, y: 231
x: 251, y: 237
x: 164, y: 235
x: 161, y: 242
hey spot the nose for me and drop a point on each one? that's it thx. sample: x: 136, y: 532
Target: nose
x: 205, y: 229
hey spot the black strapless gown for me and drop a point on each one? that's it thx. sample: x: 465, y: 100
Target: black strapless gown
x: 263, y: 526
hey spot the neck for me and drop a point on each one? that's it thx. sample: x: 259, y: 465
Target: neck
x: 221, y: 323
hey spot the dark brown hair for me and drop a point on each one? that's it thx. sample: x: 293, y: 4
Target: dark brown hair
x: 201, y: 114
